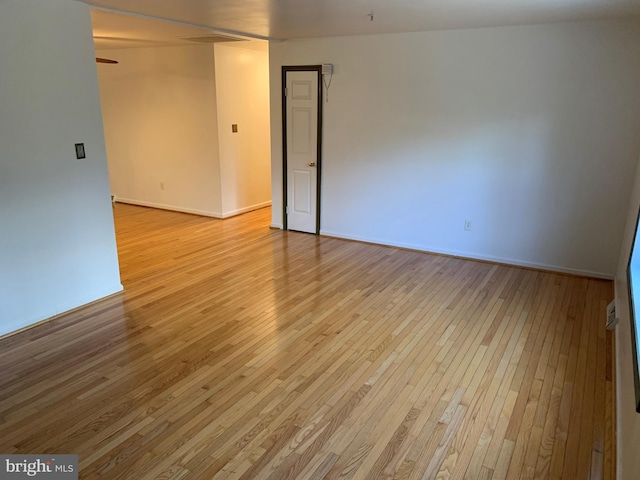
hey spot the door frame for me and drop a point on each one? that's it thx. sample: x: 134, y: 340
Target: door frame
x: 285, y: 184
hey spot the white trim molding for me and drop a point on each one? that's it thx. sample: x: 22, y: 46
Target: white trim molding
x: 240, y: 211
x: 471, y: 256
x: 205, y: 213
x: 20, y: 325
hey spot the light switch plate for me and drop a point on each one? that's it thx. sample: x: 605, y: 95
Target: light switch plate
x: 80, y: 153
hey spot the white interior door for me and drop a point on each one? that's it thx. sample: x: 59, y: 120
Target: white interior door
x: 302, y: 149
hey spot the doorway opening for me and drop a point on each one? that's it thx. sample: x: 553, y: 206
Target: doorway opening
x: 186, y: 116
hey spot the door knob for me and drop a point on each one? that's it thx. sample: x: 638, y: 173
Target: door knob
x: 312, y: 164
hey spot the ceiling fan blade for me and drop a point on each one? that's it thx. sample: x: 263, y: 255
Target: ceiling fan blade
x: 106, y: 60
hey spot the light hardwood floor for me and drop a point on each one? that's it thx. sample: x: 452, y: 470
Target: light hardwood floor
x: 243, y: 352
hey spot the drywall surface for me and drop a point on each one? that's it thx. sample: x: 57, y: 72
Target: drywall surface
x: 530, y: 133
x: 242, y: 90
x: 628, y: 418
x: 57, y: 241
x: 161, y: 131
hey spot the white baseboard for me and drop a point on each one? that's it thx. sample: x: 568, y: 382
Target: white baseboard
x: 472, y: 256
x: 90, y: 298
x: 174, y: 208
x: 14, y: 327
x: 619, y: 406
x: 279, y: 226
x: 240, y: 211
x: 205, y: 213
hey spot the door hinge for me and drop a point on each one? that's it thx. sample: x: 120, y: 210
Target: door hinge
x: 285, y: 91
x: 286, y: 209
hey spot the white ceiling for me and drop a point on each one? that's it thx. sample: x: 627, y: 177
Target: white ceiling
x: 287, y: 19
x: 117, y: 31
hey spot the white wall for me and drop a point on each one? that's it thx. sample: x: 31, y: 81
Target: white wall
x: 628, y: 419
x: 242, y: 88
x: 57, y: 242
x: 168, y: 113
x: 531, y: 133
x: 159, y: 107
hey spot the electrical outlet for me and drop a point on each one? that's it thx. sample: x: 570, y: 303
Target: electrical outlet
x: 161, y: 185
x: 467, y: 225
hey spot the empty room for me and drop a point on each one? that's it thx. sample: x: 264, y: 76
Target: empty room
x: 419, y: 264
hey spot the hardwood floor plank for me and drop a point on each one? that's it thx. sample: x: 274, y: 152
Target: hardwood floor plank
x: 242, y: 352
